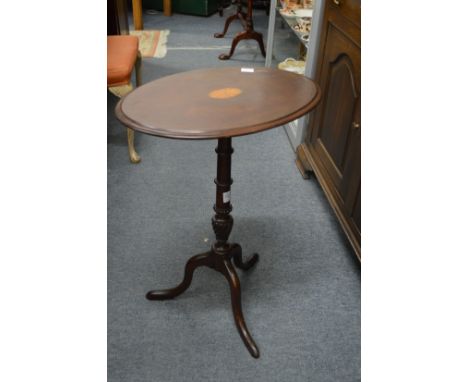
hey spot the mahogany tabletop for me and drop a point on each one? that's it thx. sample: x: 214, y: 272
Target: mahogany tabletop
x: 218, y: 102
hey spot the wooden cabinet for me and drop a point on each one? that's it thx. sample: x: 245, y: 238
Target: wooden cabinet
x: 332, y: 145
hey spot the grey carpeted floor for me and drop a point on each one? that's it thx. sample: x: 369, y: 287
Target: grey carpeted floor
x: 301, y: 301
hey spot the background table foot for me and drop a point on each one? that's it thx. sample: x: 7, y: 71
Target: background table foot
x: 239, y: 37
x: 224, y: 56
x: 228, y: 22
x: 259, y: 38
x: 246, y: 35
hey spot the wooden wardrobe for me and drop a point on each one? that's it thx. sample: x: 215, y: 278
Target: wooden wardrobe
x: 332, y: 144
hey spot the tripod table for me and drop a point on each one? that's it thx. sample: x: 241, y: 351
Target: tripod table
x: 249, y: 33
x: 218, y: 103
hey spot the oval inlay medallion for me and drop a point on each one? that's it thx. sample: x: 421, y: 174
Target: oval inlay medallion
x: 225, y: 93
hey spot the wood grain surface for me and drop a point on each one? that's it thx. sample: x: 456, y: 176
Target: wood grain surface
x: 182, y: 105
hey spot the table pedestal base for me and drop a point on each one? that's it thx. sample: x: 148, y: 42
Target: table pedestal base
x: 222, y: 253
x: 221, y: 262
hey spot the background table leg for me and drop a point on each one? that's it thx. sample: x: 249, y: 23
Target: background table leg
x: 137, y: 15
x: 167, y: 5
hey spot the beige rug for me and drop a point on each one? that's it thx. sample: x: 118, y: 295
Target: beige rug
x: 121, y: 91
x: 152, y: 42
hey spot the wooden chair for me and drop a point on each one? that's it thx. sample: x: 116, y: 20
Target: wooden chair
x: 122, y: 57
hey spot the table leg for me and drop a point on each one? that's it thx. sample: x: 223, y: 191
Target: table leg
x: 228, y: 22
x: 167, y: 7
x: 237, y: 257
x: 137, y: 15
x: 221, y: 8
x: 222, y: 253
x: 193, y: 263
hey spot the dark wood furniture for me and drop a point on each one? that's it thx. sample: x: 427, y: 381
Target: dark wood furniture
x: 249, y: 33
x: 218, y: 103
x: 332, y: 147
x: 117, y: 17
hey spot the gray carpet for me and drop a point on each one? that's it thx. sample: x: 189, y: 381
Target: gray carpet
x: 301, y: 301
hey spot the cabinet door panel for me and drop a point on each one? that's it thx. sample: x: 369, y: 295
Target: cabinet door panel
x: 340, y: 81
x: 351, y: 181
x: 337, y: 116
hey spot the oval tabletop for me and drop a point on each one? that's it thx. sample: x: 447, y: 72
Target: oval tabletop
x: 218, y: 102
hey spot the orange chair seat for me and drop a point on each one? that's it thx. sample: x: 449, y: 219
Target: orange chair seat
x: 122, y: 52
